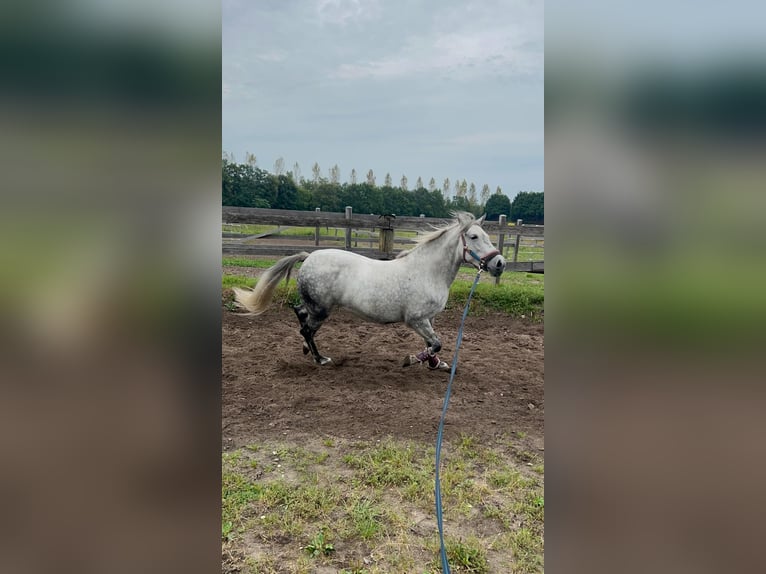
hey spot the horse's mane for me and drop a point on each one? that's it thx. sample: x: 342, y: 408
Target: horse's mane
x: 463, y: 220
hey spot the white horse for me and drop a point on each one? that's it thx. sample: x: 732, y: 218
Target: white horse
x: 412, y: 288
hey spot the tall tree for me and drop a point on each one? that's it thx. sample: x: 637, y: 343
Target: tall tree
x: 419, y: 183
x: 335, y: 174
x: 287, y: 193
x: 403, y: 183
x: 498, y: 190
x: 353, y: 177
x: 250, y: 159
x: 387, y: 180
x: 463, y: 188
x: 370, y: 178
x: 297, y: 173
x: 529, y: 206
x: 472, y: 193
x: 432, y: 185
x: 497, y: 205
x: 317, y: 172
x: 484, y: 193
x: 446, y: 187
x: 279, y: 166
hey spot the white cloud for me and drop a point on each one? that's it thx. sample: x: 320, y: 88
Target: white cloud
x: 486, y: 138
x: 272, y: 56
x: 342, y: 12
x: 508, y: 49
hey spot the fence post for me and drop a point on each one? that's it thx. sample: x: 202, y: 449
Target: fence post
x: 386, y: 245
x: 518, y: 240
x: 316, y: 230
x: 500, y: 240
x: 349, y: 211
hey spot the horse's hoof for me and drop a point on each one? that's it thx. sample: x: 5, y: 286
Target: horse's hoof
x: 410, y: 360
x: 324, y: 360
x: 442, y: 366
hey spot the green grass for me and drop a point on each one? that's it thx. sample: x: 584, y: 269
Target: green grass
x: 246, y: 262
x: 467, y: 555
x: 520, y: 299
x: 237, y: 492
x: 341, y: 505
x: 229, y: 281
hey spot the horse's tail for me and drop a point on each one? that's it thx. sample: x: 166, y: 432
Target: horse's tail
x: 257, y: 300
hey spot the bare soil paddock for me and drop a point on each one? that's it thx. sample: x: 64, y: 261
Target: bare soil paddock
x: 270, y: 389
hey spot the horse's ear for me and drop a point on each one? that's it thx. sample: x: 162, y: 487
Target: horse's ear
x: 464, y: 219
x: 480, y: 221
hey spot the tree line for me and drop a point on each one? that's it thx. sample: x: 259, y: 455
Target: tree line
x: 247, y: 185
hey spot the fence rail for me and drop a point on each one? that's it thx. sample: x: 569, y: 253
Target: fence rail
x: 386, y: 226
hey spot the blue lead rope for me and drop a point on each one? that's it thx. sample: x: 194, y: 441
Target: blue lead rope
x: 437, y: 488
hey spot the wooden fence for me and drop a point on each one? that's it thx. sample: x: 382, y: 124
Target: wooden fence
x: 378, y: 232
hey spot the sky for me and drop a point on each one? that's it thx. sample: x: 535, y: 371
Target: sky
x: 430, y: 88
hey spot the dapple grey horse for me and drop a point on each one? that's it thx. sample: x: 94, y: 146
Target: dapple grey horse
x: 412, y: 288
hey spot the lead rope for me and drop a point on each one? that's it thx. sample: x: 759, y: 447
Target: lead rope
x: 437, y: 487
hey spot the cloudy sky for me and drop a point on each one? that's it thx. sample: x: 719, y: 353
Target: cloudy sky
x: 429, y: 88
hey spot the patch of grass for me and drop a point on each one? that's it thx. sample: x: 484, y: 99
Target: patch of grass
x: 516, y: 300
x: 504, y: 478
x: 531, y: 507
x: 467, y: 555
x: 229, y: 281
x: 319, y: 545
x: 374, y: 500
x: 237, y: 492
x: 307, y: 502
x: 231, y: 458
x: 388, y: 464
x: 366, y: 519
x: 527, y: 555
x: 467, y: 446
x: 262, y: 565
x: 245, y: 262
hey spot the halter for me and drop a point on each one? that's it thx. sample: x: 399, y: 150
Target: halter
x: 482, y: 260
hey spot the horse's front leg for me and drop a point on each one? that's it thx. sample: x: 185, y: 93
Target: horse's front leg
x: 424, y: 328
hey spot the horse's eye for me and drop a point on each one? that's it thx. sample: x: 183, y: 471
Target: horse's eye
x: 474, y: 236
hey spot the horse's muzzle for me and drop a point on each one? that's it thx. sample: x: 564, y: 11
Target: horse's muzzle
x: 495, y: 266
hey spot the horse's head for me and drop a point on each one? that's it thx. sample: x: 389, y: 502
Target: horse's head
x: 478, y: 249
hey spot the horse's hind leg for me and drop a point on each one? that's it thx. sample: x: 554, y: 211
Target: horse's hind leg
x: 309, y: 326
x: 300, y: 311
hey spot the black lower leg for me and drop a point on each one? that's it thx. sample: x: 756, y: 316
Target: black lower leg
x: 308, y: 335
x: 302, y: 314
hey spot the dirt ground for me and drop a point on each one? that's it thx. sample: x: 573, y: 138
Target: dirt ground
x: 271, y: 390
